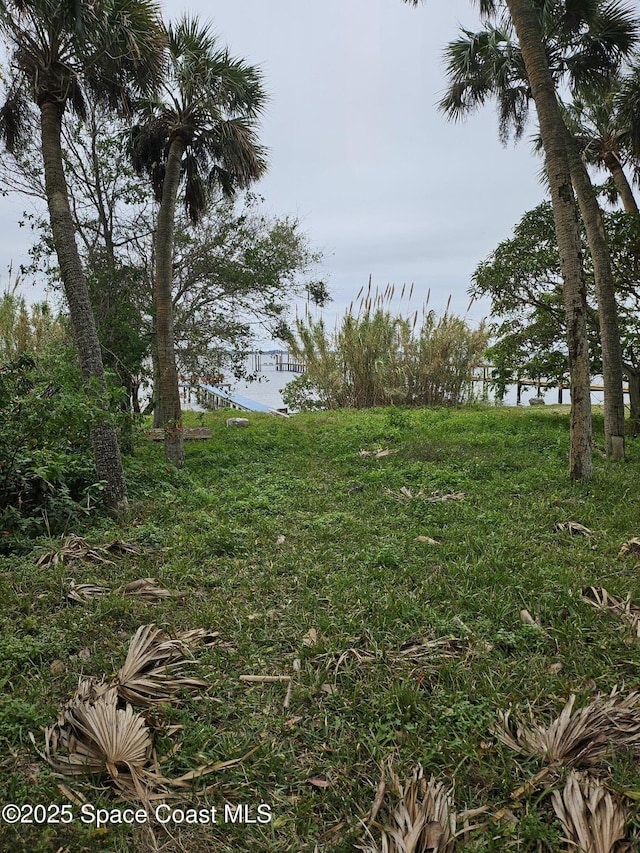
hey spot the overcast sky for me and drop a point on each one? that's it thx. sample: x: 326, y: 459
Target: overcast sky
x: 382, y: 184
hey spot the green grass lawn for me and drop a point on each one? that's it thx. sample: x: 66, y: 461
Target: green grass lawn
x: 295, y: 547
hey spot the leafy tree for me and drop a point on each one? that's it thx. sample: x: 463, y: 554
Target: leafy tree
x: 61, y: 48
x: 522, y: 279
x: 23, y: 330
x: 202, y: 133
x: 235, y: 273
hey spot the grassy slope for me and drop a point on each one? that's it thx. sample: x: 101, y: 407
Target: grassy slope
x: 350, y: 569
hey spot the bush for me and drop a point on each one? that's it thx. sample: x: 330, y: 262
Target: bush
x: 47, y: 474
x: 377, y: 359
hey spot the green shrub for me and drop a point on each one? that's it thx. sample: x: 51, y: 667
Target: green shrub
x: 47, y: 474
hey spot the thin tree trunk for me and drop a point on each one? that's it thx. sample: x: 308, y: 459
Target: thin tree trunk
x: 607, y: 305
x: 633, y: 378
x: 106, y: 452
x: 552, y: 130
x: 169, y: 412
x: 621, y: 182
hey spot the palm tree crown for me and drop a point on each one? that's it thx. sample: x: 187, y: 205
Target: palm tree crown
x: 585, y: 42
x: 62, y: 49
x: 209, y: 105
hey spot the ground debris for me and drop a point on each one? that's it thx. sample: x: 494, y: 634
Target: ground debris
x: 573, y: 528
x: 147, y: 589
x: 74, y: 547
x: 599, y: 598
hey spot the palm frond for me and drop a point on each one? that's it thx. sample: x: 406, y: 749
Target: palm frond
x: 94, y: 735
x: 424, y: 821
x: 599, y: 598
x: 84, y: 592
x: 210, y: 101
x: 630, y: 547
x: 149, y: 671
x: 148, y: 589
x: 592, y: 819
x: 577, y: 739
x: 15, y: 115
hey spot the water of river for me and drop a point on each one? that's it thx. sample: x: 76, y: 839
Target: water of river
x: 268, y: 388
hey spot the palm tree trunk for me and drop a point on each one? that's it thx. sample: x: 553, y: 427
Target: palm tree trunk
x: 169, y: 412
x: 106, y: 452
x: 552, y: 130
x: 621, y: 182
x: 607, y: 305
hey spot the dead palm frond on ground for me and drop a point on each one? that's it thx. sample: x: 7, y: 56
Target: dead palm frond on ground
x: 76, y: 548
x: 149, y: 673
x: 572, y: 527
x: 94, y: 735
x: 146, y: 589
x: 592, y: 819
x: 599, y: 598
x: 417, y: 650
x: 630, y: 547
x: 98, y: 734
x: 405, y: 494
x: 576, y: 739
x: 85, y: 592
x: 98, y: 731
x: 424, y: 820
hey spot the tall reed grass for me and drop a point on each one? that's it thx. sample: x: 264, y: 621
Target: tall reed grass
x: 377, y: 358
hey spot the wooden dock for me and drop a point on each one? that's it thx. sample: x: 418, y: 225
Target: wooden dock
x: 539, y: 384
x: 215, y: 397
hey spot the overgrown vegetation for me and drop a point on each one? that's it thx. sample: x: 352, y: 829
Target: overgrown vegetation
x: 47, y: 476
x: 376, y: 358
x: 405, y: 599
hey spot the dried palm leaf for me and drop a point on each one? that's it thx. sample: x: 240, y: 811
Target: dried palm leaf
x: 423, y: 822
x: 443, y: 647
x: 414, y: 649
x: 84, y: 592
x: 148, y: 674
x: 450, y: 496
x: 145, y: 588
x: 573, y: 528
x: 76, y: 548
x: 97, y: 736
x: 630, y: 547
x: 601, y: 599
x: 592, y: 820
x: 119, y: 547
x: 580, y: 738
x: 149, y: 590
x: 405, y: 494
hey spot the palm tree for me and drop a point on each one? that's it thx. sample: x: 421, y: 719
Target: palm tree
x: 526, y: 21
x: 603, y: 138
x: 62, y: 49
x: 490, y: 64
x: 200, y: 132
